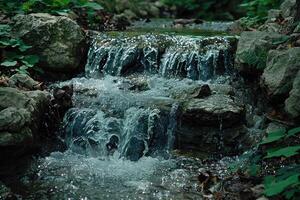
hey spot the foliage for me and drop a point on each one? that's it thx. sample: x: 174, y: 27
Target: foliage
x: 54, y: 6
x: 259, y: 8
x: 14, y: 56
x: 83, y: 8
x: 206, y: 9
x: 286, y: 180
x: 257, y: 11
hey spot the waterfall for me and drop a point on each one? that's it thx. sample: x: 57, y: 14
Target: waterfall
x: 109, y: 117
x: 197, y: 58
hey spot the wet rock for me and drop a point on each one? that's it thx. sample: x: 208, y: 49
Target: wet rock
x: 13, y: 119
x: 209, y: 140
x: 222, y: 89
x: 21, y: 118
x: 292, y: 104
x: 273, y: 15
x: 290, y: 8
x: 274, y: 126
x: 57, y: 40
x: 203, y: 91
x: 297, y: 29
x: 23, y: 81
x: 252, y: 51
x: 214, y: 110
x: 62, y: 99
x: 280, y: 73
x: 189, y: 90
x: 6, y: 194
x: 188, y: 21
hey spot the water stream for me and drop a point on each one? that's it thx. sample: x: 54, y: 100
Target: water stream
x: 121, y: 131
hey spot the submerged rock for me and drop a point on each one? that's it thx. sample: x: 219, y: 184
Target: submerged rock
x: 59, y: 41
x: 21, y: 118
x: 281, y: 70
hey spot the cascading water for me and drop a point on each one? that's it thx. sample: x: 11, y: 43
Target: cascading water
x: 197, y: 58
x: 121, y: 131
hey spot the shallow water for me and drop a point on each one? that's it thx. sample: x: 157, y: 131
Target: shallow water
x: 71, y: 176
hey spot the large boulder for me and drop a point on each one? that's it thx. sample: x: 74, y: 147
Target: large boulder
x: 253, y: 49
x: 215, y: 110
x: 292, y: 104
x: 211, y: 124
x: 281, y: 70
x: 21, y: 117
x: 59, y: 41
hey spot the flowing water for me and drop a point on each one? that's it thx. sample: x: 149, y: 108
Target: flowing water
x: 120, y: 134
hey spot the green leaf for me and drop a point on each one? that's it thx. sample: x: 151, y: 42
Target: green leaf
x: 277, y: 187
x: 22, y: 69
x: 60, y: 3
x: 274, y: 136
x: 27, y: 64
x: 9, y: 63
x: 39, y: 70
x: 5, y: 43
x: 23, y: 47
x: 62, y: 12
x: 281, y: 40
x: 285, y: 152
x: 253, y: 170
x: 31, y: 59
x: 293, y: 131
x: 93, y: 5
x: 4, y: 29
x: 289, y: 194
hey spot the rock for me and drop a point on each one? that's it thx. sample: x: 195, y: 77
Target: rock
x: 13, y: 119
x: 297, y: 29
x: 21, y: 118
x: 59, y: 41
x: 186, y: 92
x: 6, y: 194
x: 187, y: 21
x: 271, y: 27
x: 203, y: 91
x: 153, y: 11
x: 23, y: 81
x: 292, y: 104
x: 236, y: 27
x: 130, y: 14
x: 222, y: 89
x: 273, y: 15
x: 62, y: 99
x: 274, y: 126
x: 281, y: 70
x: 290, y: 8
x: 253, y: 49
x: 214, y: 110
x: 206, y: 139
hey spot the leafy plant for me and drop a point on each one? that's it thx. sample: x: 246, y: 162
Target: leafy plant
x: 14, y: 51
x: 285, y: 182
x: 259, y: 8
